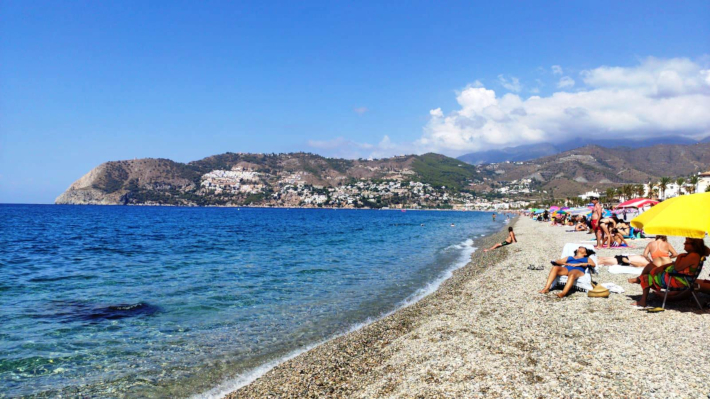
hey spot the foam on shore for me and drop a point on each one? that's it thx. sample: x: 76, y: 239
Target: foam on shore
x: 487, y: 332
x: 466, y: 248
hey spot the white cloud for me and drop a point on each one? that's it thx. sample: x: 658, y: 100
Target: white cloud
x: 565, y: 82
x: 513, y: 84
x: 360, y: 110
x: 656, y: 97
x: 556, y: 70
x: 344, y: 148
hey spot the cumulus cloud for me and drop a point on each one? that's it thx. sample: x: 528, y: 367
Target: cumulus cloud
x: 565, y: 82
x: 556, y: 70
x: 512, y: 84
x: 655, y: 97
x: 360, y: 110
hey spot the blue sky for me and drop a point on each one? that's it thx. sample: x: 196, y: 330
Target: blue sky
x: 87, y: 82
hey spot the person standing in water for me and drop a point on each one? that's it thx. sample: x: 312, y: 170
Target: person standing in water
x: 509, y: 240
x: 494, y: 216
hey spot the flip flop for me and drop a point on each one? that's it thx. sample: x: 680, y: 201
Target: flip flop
x: 655, y: 310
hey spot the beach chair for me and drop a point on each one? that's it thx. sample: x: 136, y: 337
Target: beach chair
x: 690, y: 279
x: 583, y: 283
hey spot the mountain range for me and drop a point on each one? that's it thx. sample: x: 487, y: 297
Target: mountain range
x: 533, y: 151
x: 286, y: 179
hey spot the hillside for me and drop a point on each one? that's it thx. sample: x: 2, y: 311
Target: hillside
x: 593, y: 167
x: 533, y: 151
x: 295, y: 179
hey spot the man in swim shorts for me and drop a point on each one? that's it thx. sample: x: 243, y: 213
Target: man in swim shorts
x: 596, y: 215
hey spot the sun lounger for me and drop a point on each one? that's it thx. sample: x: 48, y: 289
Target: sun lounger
x: 583, y: 283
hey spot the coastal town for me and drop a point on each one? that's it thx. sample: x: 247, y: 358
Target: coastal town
x: 395, y: 191
x: 399, y: 190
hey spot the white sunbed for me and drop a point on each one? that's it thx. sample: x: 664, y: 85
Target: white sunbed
x: 583, y: 283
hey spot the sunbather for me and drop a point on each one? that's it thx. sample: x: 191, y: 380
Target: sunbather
x: 657, y: 277
x: 623, y: 260
x: 582, y: 225
x: 660, y: 251
x: 573, y: 267
x: 623, y: 228
x: 617, y: 239
x: 606, y: 224
x: 509, y: 240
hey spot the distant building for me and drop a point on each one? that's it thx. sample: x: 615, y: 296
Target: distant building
x: 589, y: 194
x: 703, y: 182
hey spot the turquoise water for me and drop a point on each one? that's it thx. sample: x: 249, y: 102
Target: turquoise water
x: 164, y: 301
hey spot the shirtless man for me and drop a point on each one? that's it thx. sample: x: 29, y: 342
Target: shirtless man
x: 596, y: 215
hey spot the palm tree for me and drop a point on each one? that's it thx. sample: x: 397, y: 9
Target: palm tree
x: 651, y: 186
x: 663, y: 185
x: 680, y: 181
x: 610, y: 194
x: 640, y: 190
x: 655, y: 192
x: 693, y: 183
x: 628, y: 190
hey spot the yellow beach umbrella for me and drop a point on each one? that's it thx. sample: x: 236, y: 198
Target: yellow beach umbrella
x: 685, y: 216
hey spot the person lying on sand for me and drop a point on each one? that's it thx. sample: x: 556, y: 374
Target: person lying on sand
x: 511, y: 239
x: 573, y: 267
x: 582, y: 225
x: 657, y: 277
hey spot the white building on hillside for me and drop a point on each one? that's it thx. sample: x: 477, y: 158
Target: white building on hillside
x: 703, y: 182
x: 589, y: 194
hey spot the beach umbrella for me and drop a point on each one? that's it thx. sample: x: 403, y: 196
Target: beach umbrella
x: 685, y: 216
x: 580, y: 211
x: 554, y: 208
x: 636, y: 203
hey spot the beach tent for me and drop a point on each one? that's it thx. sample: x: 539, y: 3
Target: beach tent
x: 636, y: 203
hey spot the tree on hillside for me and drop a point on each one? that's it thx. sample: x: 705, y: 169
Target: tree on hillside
x: 693, y: 183
x: 663, y: 185
x: 680, y: 182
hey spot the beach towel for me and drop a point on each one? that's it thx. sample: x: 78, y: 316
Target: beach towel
x: 613, y: 288
x: 618, y: 269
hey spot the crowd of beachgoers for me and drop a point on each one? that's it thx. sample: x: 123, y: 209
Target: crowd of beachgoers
x: 659, y: 267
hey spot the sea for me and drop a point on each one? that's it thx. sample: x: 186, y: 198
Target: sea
x: 122, y: 301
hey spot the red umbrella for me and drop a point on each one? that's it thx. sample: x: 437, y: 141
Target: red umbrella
x: 636, y: 203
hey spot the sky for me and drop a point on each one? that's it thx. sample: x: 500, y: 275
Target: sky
x: 85, y: 82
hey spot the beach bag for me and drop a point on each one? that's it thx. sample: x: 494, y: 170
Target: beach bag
x: 598, y: 291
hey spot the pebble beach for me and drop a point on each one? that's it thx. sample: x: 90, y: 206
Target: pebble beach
x: 487, y: 332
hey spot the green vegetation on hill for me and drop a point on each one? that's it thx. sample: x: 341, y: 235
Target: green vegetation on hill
x: 439, y: 170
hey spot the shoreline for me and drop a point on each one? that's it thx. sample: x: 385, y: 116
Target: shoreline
x: 276, y: 372
x: 487, y: 332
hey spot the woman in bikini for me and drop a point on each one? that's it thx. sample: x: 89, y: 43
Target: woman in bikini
x: 660, y: 251
x: 582, y: 225
x: 657, y: 277
x: 618, y: 240
x: 606, y: 224
x: 509, y: 240
x: 573, y: 267
x: 623, y: 228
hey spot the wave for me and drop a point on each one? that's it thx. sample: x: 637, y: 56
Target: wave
x: 246, y: 378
